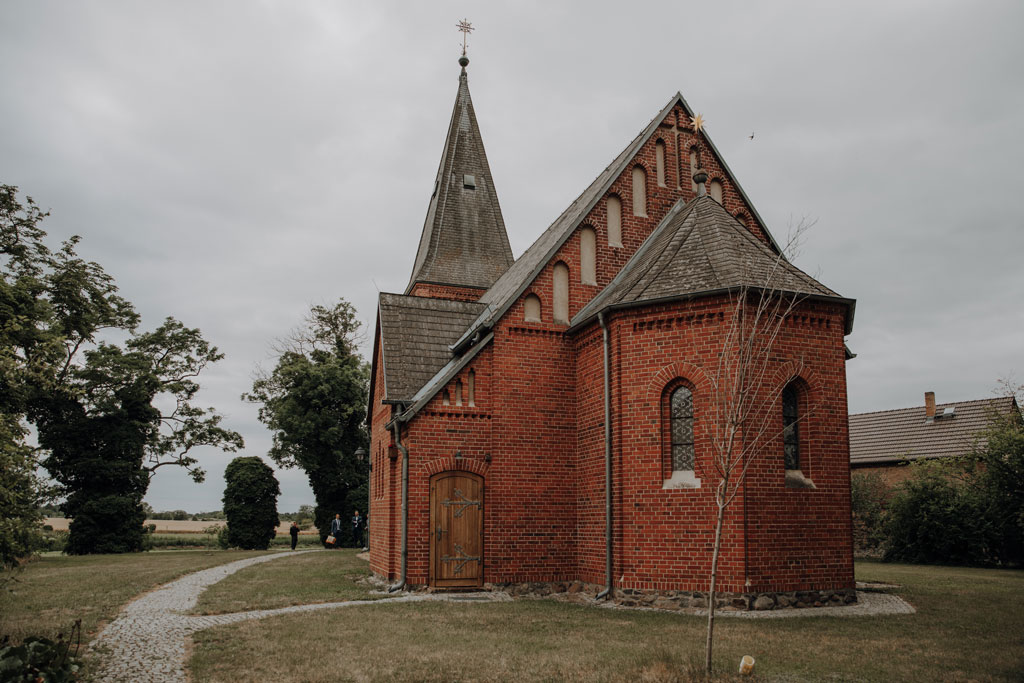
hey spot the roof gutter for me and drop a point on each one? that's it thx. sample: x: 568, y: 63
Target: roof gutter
x: 607, y: 592
x: 397, y: 431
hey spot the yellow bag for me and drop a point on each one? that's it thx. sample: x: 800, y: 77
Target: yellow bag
x: 331, y: 540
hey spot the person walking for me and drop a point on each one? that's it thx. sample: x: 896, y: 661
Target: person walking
x: 336, y: 530
x: 294, y: 531
x: 357, y: 527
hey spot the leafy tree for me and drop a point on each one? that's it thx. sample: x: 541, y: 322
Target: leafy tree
x: 314, y: 401
x: 93, y: 403
x: 250, y: 503
x: 20, y: 495
x: 868, y: 494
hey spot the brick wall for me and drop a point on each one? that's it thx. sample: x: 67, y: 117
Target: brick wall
x: 536, y: 433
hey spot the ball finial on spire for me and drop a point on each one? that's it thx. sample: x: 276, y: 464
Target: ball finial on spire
x: 465, y: 27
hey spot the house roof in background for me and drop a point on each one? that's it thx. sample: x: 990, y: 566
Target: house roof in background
x: 889, y: 436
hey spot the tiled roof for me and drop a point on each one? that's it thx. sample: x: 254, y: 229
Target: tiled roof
x: 699, y: 247
x: 507, y: 289
x: 894, y: 435
x: 415, y: 334
x: 464, y: 242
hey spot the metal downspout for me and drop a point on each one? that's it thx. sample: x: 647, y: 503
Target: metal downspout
x: 397, y: 428
x: 607, y: 592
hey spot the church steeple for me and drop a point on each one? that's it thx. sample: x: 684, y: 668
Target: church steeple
x: 464, y: 243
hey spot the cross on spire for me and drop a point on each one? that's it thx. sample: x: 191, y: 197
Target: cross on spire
x: 466, y: 28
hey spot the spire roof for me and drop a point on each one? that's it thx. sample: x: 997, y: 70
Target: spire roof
x: 464, y: 242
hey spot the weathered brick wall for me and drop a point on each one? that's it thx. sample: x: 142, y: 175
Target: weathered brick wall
x: 385, y: 482
x: 779, y: 538
x: 536, y: 433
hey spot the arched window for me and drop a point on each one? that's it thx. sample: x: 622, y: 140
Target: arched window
x: 681, y: 416
x: 639, y: 191
x: 471, y: 387
x: 715, y: 190
x: 531, y: 308
x: 560, y: 306
x: 614, y: 205
x: 588, y: 256
x: 790, y: 426
x: 743, y: 220
x: 659, y: 156
x: 693, y: 167
x: 458, y: 392
x: 444, y: 397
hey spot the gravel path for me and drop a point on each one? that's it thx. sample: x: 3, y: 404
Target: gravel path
x: 146, y: 642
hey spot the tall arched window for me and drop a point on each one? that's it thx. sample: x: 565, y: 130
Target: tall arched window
x: 614, y: 206
x: 531, y: 308
x: 588, y: 256
x: 444, y: 397
x: 471, y: 387
x: 693, y: 167
x: 716, y: 191
x: 560, y: 306
x: 639, y: 191
x: 681, y: 416
x: 790, y: 426
x: 458, y: 392
x: 659, y: 156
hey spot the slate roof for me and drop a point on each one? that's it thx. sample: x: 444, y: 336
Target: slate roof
x: 894, y: 435
x: 464, y: 242
x: 699, y: 248
x: 517, y: 278
x: 415, y: 334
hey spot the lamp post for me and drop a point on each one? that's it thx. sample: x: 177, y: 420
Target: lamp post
x: 361, y: 456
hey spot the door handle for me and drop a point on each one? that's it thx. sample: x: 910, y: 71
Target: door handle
x: 439, y: 532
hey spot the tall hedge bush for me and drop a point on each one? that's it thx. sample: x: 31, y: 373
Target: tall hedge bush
x: 250, y: 503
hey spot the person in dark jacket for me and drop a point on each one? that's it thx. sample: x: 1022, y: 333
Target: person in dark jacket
x: 294, y: 531
x: 336, y: 530
x: 357, y: 528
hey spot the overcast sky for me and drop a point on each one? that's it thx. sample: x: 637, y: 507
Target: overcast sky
x: 232, y: 163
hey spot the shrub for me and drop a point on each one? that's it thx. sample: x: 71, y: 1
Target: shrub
x: 250, y: 503
x: 931, y: 520
x: 868, y: 494
x: 41, y: 659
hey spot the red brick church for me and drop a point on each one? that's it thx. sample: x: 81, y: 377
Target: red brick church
x: 509, y: 396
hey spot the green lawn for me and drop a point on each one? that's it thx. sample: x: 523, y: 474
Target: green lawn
x: 328, y: 576
x: 969, y: 627
x: 53, y: 591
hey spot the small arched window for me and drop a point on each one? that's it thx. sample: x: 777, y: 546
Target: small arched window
x: 444, y: 397
x: 614, y: 206
x: 743, y: 220
x: 531, y: 308
x: 659, y: 156
x: 560, y: 306
x: 791, y: 426
x: 639, y: 191
x: 716, y: 191
x: 458, y: 392
x: 681, y: 416
x: 588, y: 256
x: 471, y: 388
x: 693, y: 167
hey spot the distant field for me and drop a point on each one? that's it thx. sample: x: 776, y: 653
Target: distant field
x: 171, y: 526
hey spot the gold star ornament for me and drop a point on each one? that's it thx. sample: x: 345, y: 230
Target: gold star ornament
x: 698, y: 123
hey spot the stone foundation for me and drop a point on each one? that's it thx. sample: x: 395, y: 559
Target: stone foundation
x: 677, y: 600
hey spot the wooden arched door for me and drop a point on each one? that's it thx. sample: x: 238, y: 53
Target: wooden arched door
x: 456, y: 530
